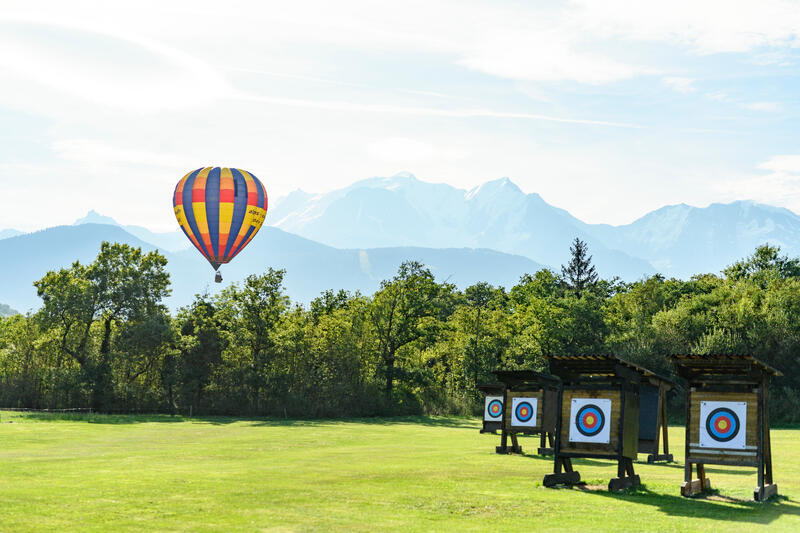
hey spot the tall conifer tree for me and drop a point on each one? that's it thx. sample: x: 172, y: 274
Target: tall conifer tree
x: 579, y: 273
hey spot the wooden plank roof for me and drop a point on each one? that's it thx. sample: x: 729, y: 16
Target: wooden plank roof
x: 722, y: 364
x: 601, y: 365
x: 517, y: 377
x: 492, y: 388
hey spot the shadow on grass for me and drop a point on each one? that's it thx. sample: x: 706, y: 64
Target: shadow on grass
x: 467, y: 423
x: 710, y: 469
x: 100, y: 418
x: 712, y: 505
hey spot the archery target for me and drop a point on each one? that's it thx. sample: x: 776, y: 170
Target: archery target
x: 523, y: 411
x: 723, y: 425
x: 493, y: 409
x: 590, y: 420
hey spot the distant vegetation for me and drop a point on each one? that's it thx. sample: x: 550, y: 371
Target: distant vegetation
x: 104, y: 339
x: 5, y: 310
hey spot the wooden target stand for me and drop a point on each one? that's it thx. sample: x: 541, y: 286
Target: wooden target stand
x: 599, y: 416
x: 531, y: 406
x: 492, y: 392
x: 727, y: 418
x: 653, y: 417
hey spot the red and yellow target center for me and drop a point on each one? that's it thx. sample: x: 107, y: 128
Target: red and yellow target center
x: 589, y: 420
x: 524, y: 411
x: 722, y: 424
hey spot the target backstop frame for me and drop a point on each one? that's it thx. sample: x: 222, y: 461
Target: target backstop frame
x: 598, y: 378
x: 490, y: 390
x: 653, y: 432
x: 526, y: 384
x: 740, y: 382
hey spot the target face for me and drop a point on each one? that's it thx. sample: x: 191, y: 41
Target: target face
x: 524, y: 411
x: 493, y: 409
x: 723, y: 424
x: 589, y: 420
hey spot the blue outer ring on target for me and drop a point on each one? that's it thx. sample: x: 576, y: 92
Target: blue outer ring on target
x: 489, y: 408
x: 711, y: 421
x: 523, y: 418
x: 588, y: 409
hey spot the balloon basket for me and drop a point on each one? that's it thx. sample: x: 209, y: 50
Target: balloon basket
x: 218, y: 277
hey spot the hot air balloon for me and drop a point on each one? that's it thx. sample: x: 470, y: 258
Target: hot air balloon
x: 220, y: 210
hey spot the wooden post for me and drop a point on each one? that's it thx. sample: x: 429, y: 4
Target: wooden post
x: 503, y: 448
x: 690, y: 486
x: 626, y: 478
x: 569, y: 476
x: 766, y: 488
x: 665, y: 423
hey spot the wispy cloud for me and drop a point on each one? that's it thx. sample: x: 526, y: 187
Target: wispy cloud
x: 333, y: 105
x: 135, y: 73
x: 682, y: 85
x: 708, y: 27
x: 770, y: 107
x: 780, y: 185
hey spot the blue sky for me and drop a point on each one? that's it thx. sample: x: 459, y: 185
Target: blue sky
x: 607, y: 109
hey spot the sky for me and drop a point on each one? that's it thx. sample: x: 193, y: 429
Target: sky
x: 608, y: 109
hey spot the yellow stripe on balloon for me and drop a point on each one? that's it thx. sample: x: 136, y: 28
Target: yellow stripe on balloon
x: 225, y: 209
x: 249, y: 212
x: 180, y: 212
x: 199, y: 210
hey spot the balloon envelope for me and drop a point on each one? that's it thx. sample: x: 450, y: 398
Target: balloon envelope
x: 220, y: 210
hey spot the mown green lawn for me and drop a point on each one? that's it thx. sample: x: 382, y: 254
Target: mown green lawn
x: 159, y: 473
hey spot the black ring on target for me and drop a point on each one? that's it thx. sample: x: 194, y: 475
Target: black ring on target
x: 524, y: 416
x: 494, y: 405
x: 715, y: 416
x: 587, y: 412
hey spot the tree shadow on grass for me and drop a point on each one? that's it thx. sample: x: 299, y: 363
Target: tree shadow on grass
x: 467, y: 423
x: 712, y: 505
x: 710, y: 469
x: 123, y: 419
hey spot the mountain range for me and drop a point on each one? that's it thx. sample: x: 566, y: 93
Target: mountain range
x: 354, y: 237
x: 677, y: 240
x: 311, y: 267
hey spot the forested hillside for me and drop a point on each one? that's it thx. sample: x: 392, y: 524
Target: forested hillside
x: 103, y: 337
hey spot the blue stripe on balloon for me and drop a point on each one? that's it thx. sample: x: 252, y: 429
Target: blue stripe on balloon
x: 188, y: 208
x: 212, y: 209
x: 250, y: 231
x: 259, y: 190
x: 239, y: 209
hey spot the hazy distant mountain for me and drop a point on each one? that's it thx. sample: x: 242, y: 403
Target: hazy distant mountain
x: 173, y: 241
x: 6, y: 310
x: 6, y: 233
x: 403, y: 211
x: 675, y: 240
x: 311, y: 267
x: 682, y: 240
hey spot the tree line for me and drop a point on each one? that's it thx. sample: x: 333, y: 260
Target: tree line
x: 104, y: 339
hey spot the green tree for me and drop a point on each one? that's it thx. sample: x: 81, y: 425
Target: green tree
x: 398, y: 311
x: 121, y: 284
x: 765, y: 264
x: 258, y: 306
x: 203, y: 337
x: 579, y: 272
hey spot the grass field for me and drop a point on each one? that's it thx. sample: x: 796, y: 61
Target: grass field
x: 159, y: 473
